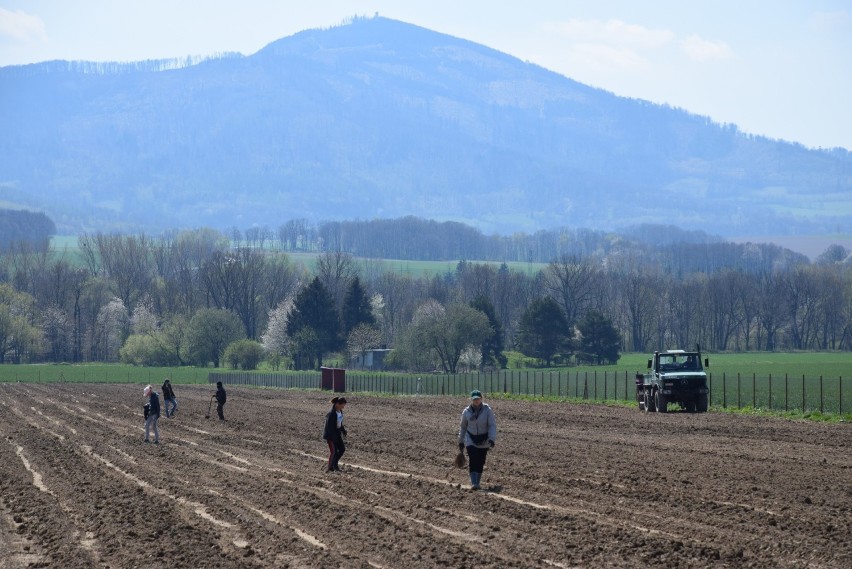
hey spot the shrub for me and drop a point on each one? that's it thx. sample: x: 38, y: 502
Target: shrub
x: 145, y: 350
x: 244, y: 353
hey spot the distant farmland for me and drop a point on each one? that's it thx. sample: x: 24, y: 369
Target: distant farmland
x: 415, y: 269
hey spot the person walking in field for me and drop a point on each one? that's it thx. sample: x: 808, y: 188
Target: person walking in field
x: 334, y: 432
x: 169, y: 398
x: 153, y: 414
x: 221, y: 398
x: 477, y: 433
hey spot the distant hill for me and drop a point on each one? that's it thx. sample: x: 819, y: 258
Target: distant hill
x: 382, y: 119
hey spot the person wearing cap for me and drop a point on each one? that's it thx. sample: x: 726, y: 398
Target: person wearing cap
x: 169, y: 398
x: 334, y: 432
x: 153, y: 414
x: 221, y: 398
x: 477, y: 433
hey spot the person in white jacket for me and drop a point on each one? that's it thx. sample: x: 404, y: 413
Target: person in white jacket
x: 477, y: 433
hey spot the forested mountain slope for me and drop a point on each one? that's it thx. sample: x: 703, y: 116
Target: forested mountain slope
x: 382, y: 119
x: 24, y: 228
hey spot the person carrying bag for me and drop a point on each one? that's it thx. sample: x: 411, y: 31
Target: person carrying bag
x: 477, y: 434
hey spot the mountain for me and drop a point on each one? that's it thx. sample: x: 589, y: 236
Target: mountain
x: 382, y: 119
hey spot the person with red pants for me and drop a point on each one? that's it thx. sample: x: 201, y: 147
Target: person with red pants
x: 477, y: 433
x: 334, y: 432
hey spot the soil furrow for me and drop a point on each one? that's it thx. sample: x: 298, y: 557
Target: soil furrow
x: 570, y: 485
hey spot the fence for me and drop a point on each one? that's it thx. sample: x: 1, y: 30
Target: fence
x: 826, y: 395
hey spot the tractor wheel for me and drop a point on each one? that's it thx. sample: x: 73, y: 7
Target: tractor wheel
x: 701, y: 403
x: 649, y: 402
x: 660, y: 402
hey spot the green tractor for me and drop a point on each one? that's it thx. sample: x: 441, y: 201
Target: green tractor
x: 674, y: 377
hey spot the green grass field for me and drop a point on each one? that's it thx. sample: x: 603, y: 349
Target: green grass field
x: 802, y: 382
x: 100, y: 373
x: 67, y: 245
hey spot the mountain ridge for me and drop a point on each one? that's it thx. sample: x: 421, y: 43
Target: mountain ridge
x: 381, y: 119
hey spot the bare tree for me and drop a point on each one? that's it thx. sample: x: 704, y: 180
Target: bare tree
x: 362, y: 338
x: 772, y: 313
x: 57, y: 329
x: 128, y: 262
x: 335, y: 271
x: 572, y: 282
x: 265, y: 235
x: 724, y: 307
x: 640, y: 301
x: 252, y: 236
x: 400, y: 294
x: 802, y: 297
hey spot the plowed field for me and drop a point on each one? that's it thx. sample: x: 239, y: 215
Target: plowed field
x: 567, y: 485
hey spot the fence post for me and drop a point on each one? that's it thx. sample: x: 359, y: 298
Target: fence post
x: 739, y: 392
x: 604, y: 385
x: 754, y: 390
x: 770, y: 392
x: 724, y: 391
x: 559, y: 383
x: 840, y: 393
x: 786, y: 393
x: 803, y: 393
x: 820, y: 394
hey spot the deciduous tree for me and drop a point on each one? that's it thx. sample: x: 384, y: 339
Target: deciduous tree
x: 448, y: 332
x: 210, y: 332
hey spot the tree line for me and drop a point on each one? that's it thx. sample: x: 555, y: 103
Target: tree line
x: 198, y: 298
x: 17, y: 226
x: 674, y: 250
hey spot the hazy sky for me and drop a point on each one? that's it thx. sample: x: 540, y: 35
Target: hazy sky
x: 781, y: 68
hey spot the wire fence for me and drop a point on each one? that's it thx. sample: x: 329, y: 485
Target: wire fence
x: 805, y: 394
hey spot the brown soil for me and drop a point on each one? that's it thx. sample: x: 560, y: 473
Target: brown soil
x: 567, y: 485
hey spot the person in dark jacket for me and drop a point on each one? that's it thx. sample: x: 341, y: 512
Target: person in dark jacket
x: 477, y: 433
x: 169, y: 398
x: 153, y: 414
x: 334, y: 432
x: 221, y: 397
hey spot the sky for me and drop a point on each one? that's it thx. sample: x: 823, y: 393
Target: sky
x: 778, y: 68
